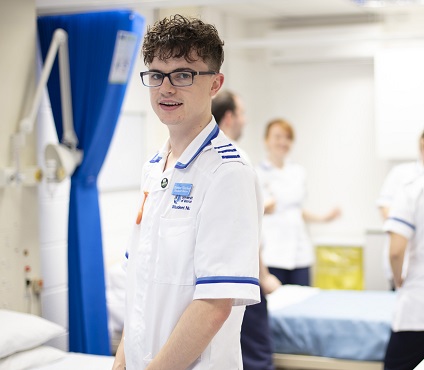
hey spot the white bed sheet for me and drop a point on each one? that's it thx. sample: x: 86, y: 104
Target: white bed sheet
x: 80, y: 361
x: 287, y: 295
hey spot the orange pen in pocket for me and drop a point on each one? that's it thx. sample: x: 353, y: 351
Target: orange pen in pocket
x: 140, y: 212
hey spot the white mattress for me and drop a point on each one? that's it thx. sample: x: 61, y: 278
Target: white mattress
x: 80, y: 361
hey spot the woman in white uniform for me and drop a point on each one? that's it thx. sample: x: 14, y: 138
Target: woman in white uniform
x: 406, y: 224
x: 287, y: 249
x: 398, y: 176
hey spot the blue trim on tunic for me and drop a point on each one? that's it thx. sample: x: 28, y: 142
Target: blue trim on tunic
x: 230, y: 156
x: 207, y: 142
x: 156, y: 158
x: 403, y: 222
x: 227, y: 279
x: 227, y: 150
x: 222, y: 146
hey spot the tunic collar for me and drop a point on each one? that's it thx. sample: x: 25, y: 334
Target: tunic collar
x: 202, y: 140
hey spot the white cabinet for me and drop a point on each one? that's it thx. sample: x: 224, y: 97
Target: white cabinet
x: 374, y: 274
x: 399, y: 102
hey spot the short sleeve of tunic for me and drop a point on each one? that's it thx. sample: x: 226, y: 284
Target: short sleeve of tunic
x: 227, y: 240
x: 401, y: 219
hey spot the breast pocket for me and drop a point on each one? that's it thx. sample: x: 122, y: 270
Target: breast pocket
x: 175, y: 254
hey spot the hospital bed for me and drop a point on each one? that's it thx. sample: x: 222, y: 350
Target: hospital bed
x: 24, y: 345
x: 330, y: 329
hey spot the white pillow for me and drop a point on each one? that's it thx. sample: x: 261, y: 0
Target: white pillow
x: 20, y: 331
x: 31, y: 358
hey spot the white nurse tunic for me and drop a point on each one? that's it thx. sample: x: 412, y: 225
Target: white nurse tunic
x: 399, y: 175
x: 285, y: 239
x: 407, y: 219
x: 198, y: 238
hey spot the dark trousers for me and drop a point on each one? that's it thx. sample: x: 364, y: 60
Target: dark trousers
x: 405, y: 350
x: 298, y: 276
x: 256, y: 345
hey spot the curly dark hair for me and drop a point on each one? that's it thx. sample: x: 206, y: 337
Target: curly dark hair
x: 177, y: 36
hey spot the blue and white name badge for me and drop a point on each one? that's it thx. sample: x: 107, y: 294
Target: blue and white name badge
x: 182, y: 189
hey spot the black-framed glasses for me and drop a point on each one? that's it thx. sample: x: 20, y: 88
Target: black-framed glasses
x: 177, y: 78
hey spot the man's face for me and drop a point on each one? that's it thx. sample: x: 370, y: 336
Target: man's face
x: 239, y: 119
x: 188, y: 106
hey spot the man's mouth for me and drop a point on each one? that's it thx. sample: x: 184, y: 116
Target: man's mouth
x: 170, y: 104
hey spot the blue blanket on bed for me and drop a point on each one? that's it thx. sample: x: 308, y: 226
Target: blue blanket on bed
x: 352, y: 325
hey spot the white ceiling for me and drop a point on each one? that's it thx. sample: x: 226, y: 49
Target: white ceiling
x: 292, y: 8
x: 251, y: 9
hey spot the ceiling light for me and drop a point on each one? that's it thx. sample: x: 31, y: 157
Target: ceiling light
x: 387, y: 3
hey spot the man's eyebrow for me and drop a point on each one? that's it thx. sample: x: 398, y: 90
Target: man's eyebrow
x: 185, y: 69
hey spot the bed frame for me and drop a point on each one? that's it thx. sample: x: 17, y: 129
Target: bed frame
x: 304, y: 362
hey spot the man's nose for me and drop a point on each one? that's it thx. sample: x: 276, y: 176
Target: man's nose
x: 166, y: 83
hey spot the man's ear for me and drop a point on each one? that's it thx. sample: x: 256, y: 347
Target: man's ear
x: 217, y: 83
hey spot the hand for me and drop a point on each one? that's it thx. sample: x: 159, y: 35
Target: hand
x: 118, y: 366
x: 333, y: 214
x: 398, y: 284
x: 269, y: 206
x: 270, y: 283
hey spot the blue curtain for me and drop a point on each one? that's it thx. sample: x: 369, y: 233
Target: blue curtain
x: 97, y: 94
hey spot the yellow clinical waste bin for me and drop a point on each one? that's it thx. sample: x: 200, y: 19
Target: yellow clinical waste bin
x: 339, y: 267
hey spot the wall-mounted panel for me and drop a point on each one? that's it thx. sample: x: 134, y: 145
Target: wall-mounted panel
x: 399, y: 107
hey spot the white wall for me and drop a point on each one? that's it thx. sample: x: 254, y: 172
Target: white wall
x: 18, y: 203
x: 328, y: 95
x: 331, y: 107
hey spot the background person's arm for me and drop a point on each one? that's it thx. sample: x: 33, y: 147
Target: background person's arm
x: 325, y: 217
x: 197, y: 326
x: 398, y: 244
x: 268, y: 281
x: 119, y: 363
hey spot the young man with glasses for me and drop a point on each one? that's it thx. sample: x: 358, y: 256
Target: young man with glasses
x: 192, y: 264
